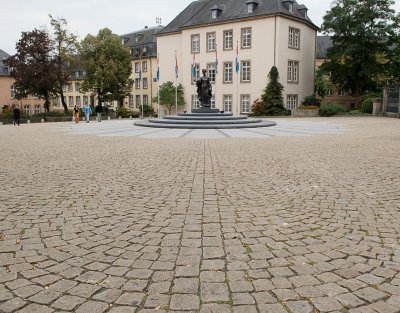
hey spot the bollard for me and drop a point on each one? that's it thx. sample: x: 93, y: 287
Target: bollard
x: 1, y: 123
x: 28, y: 121
x: 109, y: 118
x: 130, y: 117
x: 119, y: 117
x: 42, y: 120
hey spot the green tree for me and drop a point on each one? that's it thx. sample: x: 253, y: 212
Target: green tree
x: 65, y: 50
x: 361, y: 30
x: 272, y: 96
x: 108, y: 66
x: 393, y: 70
x: 167, y: 95
x: 34, y: 67
x: 321, y: 84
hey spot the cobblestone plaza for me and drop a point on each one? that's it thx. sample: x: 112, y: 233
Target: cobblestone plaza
x: 302, y: 220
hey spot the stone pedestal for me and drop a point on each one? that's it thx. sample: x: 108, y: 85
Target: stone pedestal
x: 205, y: 110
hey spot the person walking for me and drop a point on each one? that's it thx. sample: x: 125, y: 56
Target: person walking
x: 99, y: 110
x: 76, y: 114
x: 16, y: 115
x: 87, y: 110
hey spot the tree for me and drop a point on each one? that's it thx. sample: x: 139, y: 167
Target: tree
x: 167, y: 95
x: 272, y: 97
x: 321, y: 84
x: 393, y: 70
x: 65, y: 49
x: 108, y: 66
x: 361, y: 30
x: 33, y: 66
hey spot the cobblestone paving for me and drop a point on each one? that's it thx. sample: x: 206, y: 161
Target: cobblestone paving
x: 127, y: 224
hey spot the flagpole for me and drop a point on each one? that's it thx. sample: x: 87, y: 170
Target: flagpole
x: 176, y: 84
x: 237, y: 77
x: 216, y: 72
x: 158, y: 85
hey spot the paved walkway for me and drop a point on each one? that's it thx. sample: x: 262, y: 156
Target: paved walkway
x: 127, y: 224
x: 125, y: 128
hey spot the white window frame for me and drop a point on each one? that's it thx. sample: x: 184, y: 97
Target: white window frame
x: 195, y: 43
x: 37, y: 108
x: 211, y: 41
x: 228, y: 72
x: 131, y: 104
x: 245, y: 71
x: 294, y: 38
x: 293, y: 71
x: 292, y: 101
x: 211, y: 72
x: 246, y: 38
x: 27, y: 109
x: 245, y: 103
x: 228, y: 39
x: 195, y: 102
x: 228, y: 103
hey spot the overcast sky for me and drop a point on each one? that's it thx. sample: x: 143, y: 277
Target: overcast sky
x: 88, y: 16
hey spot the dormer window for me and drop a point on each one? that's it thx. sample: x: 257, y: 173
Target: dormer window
x: 302, y: 10
x: 215, y: 12
x: 288, y: 5
x: 251, y: 6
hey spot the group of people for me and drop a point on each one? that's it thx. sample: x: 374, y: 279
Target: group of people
x: 87, y: 110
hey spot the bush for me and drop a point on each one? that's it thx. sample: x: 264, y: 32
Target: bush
x: 330, y: 109
x: 124, y: 112
x: 367, y: 106
x: 257, y: 108
x: 147, y: 109
x: 312, y: 101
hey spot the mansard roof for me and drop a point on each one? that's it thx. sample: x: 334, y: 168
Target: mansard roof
x: 198, y: 13
x: 144, y: 38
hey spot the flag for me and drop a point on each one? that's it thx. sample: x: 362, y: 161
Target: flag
x: 194, y: 67
x: 216, y: 61
x: 237, y: 58
x: 176, y: 66
x: 158, y: 69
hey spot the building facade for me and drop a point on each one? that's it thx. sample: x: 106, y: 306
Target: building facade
x: 238, y: 42
x: 30, y: 105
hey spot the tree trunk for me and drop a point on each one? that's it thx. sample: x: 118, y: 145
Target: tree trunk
x: 64, y: 104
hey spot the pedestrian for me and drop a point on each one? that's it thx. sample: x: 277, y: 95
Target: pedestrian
x: 76, y: 114
x: 87, y: 110
x: 99, y: 110
x: 16, y: 115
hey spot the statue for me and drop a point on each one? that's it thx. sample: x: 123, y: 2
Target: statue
x: 204, y: 90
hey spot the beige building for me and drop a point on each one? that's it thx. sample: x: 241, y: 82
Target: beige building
x: 143, y: 47
x: 265, y: 33
x: 334, y: 95
x: 30, y: 105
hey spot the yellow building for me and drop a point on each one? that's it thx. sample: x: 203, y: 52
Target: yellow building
x: 29, y: 106
x: 143, y: 47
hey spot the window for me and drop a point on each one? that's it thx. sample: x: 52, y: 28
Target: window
x: 64, y: 88
x: 294, y: 38
x: 245, y: 71
x: 27, y: 109
x: 13, y: 91
x: 194, y: 79
x: 145, y: 83
x: 77, y: 86
x: 291, y: 102
x: 246, y: 38
x: 145, y: 99
x: 70, y: 87
x: 57, y: 102
x: 196, y: 43
x: 329, y: 93
x: 211, y: 72
x: 65, y: 99
x: 214, y: 14
x: 144, y: 66
x: 227, y: 103
x: 211, y: 41
x: 228, y: 39
x: 138, y: 103
x: 342, y: 93
x: 195, y: 102
x: 293, y: 72
x: 137, y: 67
x: 245, y: 102
x: 250, y: 8
x: 137, y: 83
x: 131, y: 101
x: 71, y: 101
x: 227, y: 72
x: 78, y: 100
x: 37, y: 108
x: 213, y: 102
x: 85, y: 99
x: 290, y: 7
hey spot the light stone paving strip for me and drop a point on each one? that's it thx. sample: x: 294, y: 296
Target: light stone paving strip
x: 113, y: 219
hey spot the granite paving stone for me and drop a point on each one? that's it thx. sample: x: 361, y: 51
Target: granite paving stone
x: 176, y: 222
